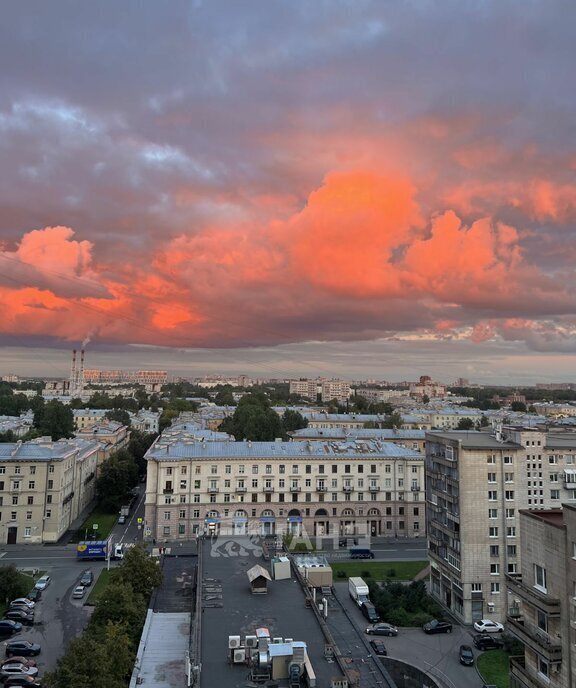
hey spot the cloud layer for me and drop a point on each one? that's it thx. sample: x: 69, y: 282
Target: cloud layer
x: 213, y: 175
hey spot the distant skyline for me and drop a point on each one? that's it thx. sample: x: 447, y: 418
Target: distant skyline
x: 346, y: 188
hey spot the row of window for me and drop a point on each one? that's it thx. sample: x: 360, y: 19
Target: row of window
x: 17, y: 470
x: 493, y: 513
x: 166, y: 530
x: 508, y: 477
x: 215, y: 469
x: 493, y: 495
x: 14, y: 515
x: 511, y: 550
x: 268, y: 483
x: 493, y: 531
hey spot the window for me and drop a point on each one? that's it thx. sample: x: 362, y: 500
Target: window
x: 48, y: 499
x: 2, y: 470
x: 540, y: 577
x: 416, y: 511
x: 543, y: 667
x: 241, y: 468
x: 416, y: 525
x: 196, y: 499
x: 166, y: 515
x: 511, y: 550
x: 510, y: 513
x: 347, y: 468
x: 50, y: 469
x: 512, y: 567
x: 48, y: 514
x: 554, y: 494
x: 491, y: 477
x: 182, y: 470
x: 553, y: 460
x: 255, y: 469
x: 31, y: 485
x: 168, y: 471
x: 27, y: 531
x: 494, y: 569
x: 28, y: 515
x: 14, y: 500
x: 491, y: 458
x: 295, y: 468
x: 182, y: 484
x: 492, y: 495
x: 495, y: 588
x: 493, y: 531
x: 30, y: 500
x: 197, y: 484
x: 228, y: 469
x: 508, y: 460
x: 32, y: 470
x: 372, y: 468
x: 508, y: 477
x: 387, y: 468
x: 308, y: 468
x: 268, y: 469
x: 166, y: 530
x: 181, y: 529
x: 511, y: 531
x: 198, y: 470
x: 553, y: 477
x: 182, y: 513
x: 476, y: 587
x: 17, y: 470
x: 509, y: 495
x: 494, y: 551
x: 334, y: 468
x: 255, y: 483
x: 492, y: 513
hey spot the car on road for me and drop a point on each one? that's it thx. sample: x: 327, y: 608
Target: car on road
x: 9, y: 628
x: 21, y: 660
x: 17, y: 669
x: 121, y: 519
x: 21, y: 615
x: 79, y: 592
x: 42, y: 583
x: 488, y: 626
x: 486, y: 641
x: 382, y: 629
x: 466, y: 655
x: 21, y: 680
x: 23, y: 602
x: 436, y: 626
x: 87, y: 578
x: 22, y: 648
x: 34, y: 595
x: 379, y: 648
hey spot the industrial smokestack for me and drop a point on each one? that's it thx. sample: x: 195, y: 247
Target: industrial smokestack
x: 73, y: 372
x: 81, y: 372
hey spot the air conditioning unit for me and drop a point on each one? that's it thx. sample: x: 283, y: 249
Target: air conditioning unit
x: 239, y: 656
x: 233, y: 642
x: 251, y: 641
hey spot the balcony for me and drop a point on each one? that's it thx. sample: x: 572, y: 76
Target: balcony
x: 268, y: 489
x: 522, y: 675
x: 536, y: 639
x: 295, y: 488
x: 374, y: 488
x: 239, y: 489
x: 348, y: 488
x: 415, y: 488
x: 532, y: 596
x: 321, y: 488
x: 213, y: 490
x: 167, y: 491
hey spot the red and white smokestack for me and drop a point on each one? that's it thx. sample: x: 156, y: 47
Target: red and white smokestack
x: 81, y: 372
x: 73, y: 371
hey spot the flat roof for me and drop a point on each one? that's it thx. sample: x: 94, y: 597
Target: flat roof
x: 474, y: 439
x: 554, y: 517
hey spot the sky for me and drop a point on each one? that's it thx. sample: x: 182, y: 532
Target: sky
x: 349, y: 188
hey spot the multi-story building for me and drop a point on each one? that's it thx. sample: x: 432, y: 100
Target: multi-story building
x: 109, y: 432
x: 375, y: 395
x: 412, y: 439
x: 475, y: 484
x: 542, y: 600
x: 326, y: 390
x: 44, y: 486
x: 322, y: 489
x: 86, y: 418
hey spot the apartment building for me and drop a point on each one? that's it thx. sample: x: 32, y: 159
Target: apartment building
x: 542, y: 600
x: 321, y: 489
x: 375, y: 396
x: 326, y: 389
x: 412, y: 439
x: 476, y: 483
x: 44, y: 486
x: 109, y: 432
x: 86, y: 418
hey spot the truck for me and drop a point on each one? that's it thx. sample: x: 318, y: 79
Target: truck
x: 94, y: 549
x: 125, y: 510
x: 358, y: 590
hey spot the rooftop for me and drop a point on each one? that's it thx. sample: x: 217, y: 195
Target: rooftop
x: 473, y: 439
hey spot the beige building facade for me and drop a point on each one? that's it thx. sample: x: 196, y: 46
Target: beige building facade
x: 314, y: 489
x: 44, y: 486
x: 476, y: 484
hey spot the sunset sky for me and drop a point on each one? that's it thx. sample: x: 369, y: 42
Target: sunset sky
x: 355, y: 188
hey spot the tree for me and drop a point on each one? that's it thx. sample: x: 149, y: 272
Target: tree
x: 54, y: 419
x: 11, y: 584
x: 293, y: 420
x: 120, y: 416
x: 139, y: 444
x: 394, y: 420
x: 254, y: 419
x: 138, y: 570
x: 425, y: 399
x: 484, y: 422
x: 120, y: 604
x: 224, y: 396
x: 118, y: 474
x: 465, y: 424
x: 518, y: 406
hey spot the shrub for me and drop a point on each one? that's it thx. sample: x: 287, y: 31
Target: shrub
x: 365, y: 574
x: 399, y: 617
x: 391, y: 573
x: 340, y: 573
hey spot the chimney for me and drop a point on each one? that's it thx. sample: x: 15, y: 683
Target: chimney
x: 73, y: 372
x: 81, y: 372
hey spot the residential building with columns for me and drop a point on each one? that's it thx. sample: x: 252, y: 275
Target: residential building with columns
x: 318, y: 489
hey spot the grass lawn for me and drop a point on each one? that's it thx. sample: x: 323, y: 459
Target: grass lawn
x: 379, y: 570
x: 98, y: 587
x: 105, y: 523
x: 493, y: 667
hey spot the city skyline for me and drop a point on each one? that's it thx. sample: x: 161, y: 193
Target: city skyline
x: 349, y: 189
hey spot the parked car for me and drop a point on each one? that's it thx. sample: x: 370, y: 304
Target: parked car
x: 79, y: 592
x: 22, y: 660
x: 42, y: 583
x: 23, y: 602
x: 382, y: 629
x: 22, y: 680
x: 436, y: 626
x: 22, y: 648
x: 121, y: 519
x: 487, y: 626
x: 9, y: 627
x: 34, y: 595
x: 17, y: 669
x: 488, y: 642
x: 466, y: 655
x: 369, y: 611
x: 379, y: 648
x: 21, y: 615
x: 87, y: 578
